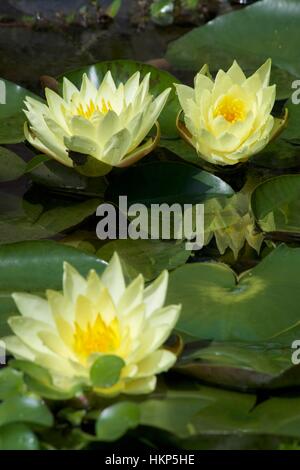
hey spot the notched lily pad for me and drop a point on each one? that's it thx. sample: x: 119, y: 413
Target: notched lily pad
x: 261, y: 305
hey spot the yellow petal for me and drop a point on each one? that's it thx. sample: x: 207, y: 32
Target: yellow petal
x: 19, y: 349
x: 140, y: 386
x: 131, y: 87
x: 83, y: 127
x: 264, y: 73
x: 106, y: 306
x: 84, y: 312
x: 34, y: 307
x: 107, y: 127
x: 107, y: 87
x: 28, y: 330
x: 202, y: 84
x: 81, y: 144
x: 94, y: 286
x: 222, y: 85
x: 116, y: 147
x: 157, y: 362
x: 135, y: 321
x: 236, y: 74
x: 113, y: 278
x: 69, y: 89
x: 55, y: 344
x: 185, y: 94
x: 155, y: 293
x: 165, y: 316
x: 88, y: 91
x: 132, y: 296
x: 73, y: 283
x: 56, y: 105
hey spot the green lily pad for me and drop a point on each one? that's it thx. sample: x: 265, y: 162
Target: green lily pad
x: 260, y: 305
x: 166, y: 182
x: 36, y: 161
x: 20, y: 220
x: 292, y: 131
x: 61, y: 179
x: 276, y: 204
x: 17, y: 437
x: 240, y: 366
x: 183, y: 150
x: 251, y: 35
x: 279, y: 154
x: 25, y: 409
x: 208, y: 411
x: 11, y: 165
x: 12, y: 118
x: 114, y: 421
x: 11, y: 382
x: 186, y: 413
x: 148, y: 257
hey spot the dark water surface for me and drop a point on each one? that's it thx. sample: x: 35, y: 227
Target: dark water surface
x: 27, y: 52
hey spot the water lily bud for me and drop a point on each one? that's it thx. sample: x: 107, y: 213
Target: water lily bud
x: 229, y: 119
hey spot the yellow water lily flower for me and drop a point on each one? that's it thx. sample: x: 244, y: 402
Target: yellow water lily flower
x: 229, y: 119
x: 107, y: 123
x: 92, y: 318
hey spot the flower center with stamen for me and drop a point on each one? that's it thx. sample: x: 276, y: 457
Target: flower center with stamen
x: 97, y: 337
x: 87, y: 111
x: 232, y: 109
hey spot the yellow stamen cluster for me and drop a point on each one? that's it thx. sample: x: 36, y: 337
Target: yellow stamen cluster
x: 96, y: 338
x: 88, y: 111
x: 231, y: 108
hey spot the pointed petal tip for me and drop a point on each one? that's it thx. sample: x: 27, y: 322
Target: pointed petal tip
x: 164, y: 275
x: 115, y: 258
x: 67, y: 83
x: 136, y: 74
x: 15, y: 295
x: 108, y: 76
x: 167, y: 91
x: 67, y: 265
x: 115, y: 263
x: 69, y: 270
x: 204, y: 70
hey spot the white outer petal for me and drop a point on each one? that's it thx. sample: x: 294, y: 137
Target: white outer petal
x: 140, y: 386
x: 68, y: 90
x: 113, y: 278
x: 34, y: 307
x: 157, y: 362
x: 73, y: 283
x: 155, y: 293
x: 19, y: 349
